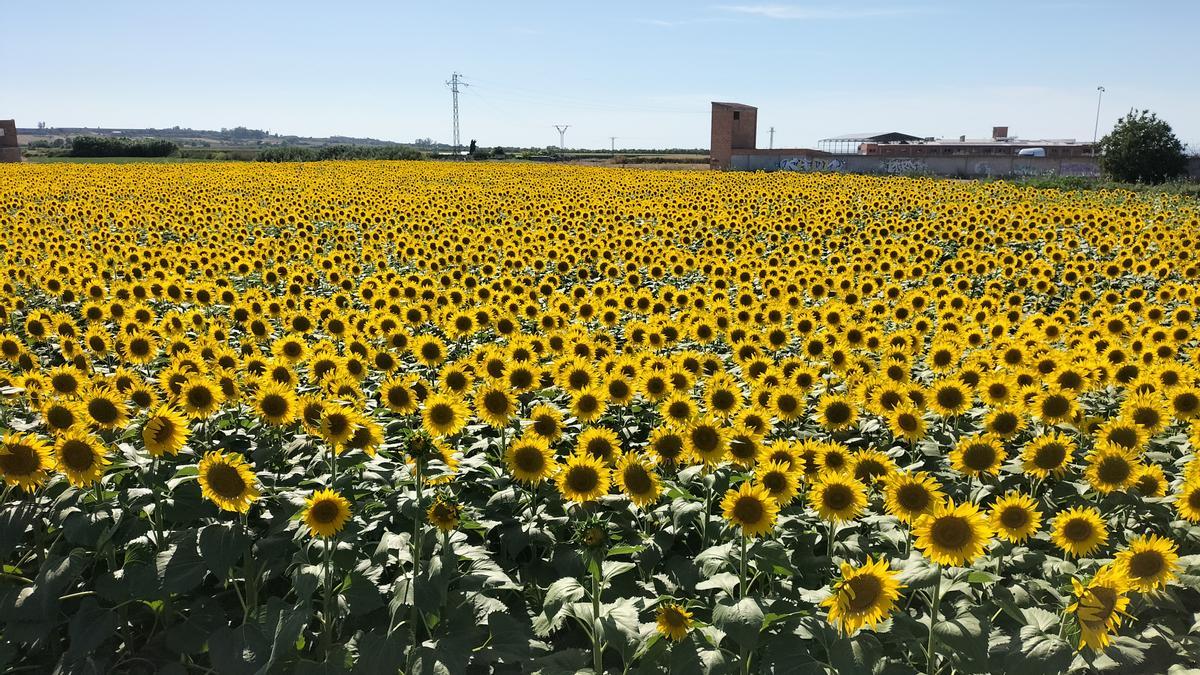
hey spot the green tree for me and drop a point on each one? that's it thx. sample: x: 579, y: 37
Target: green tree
x: 1142, y: 149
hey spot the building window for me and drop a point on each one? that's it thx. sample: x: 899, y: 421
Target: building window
x: 737, y: 114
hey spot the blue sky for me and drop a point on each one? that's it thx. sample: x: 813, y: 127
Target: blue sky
x: 641, y: 71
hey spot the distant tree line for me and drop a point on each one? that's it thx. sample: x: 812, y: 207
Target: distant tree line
x: 98, y: 146
x: 331, y: 152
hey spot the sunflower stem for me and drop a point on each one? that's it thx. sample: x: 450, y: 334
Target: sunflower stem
x: 832, y: 533
x: 742, y: 571
x: 326, y: 619
x: 931, y: 646
x: 417, y: 548
x: 597, y: 629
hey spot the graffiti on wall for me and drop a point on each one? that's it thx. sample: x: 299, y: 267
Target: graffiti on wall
x: 810, y: 164
x: 1079, y: 169
x: 904, y: 165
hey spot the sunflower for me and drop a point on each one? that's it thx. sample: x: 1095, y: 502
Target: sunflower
x: 546, y: 421
x: 837, y: 496
x: 599, y: 442
x: 338, y: 424
x: 787, y: 403
x: 1056, y: 405
x: 495, y: 405
x: 667, y: 444
x: 325, y: 512
x: 836, y: 411
x: 1149, y: 563
x: 66, y: 380
x: 396, y: 394
x: 367, y: 436
x: 1150, y: 481
x: 228, y: 481
x: 583, y: 479
x: 60, y: 415
x: 444, y: 414
x: 673, y: 621
x: 165, y: 431
x: 751, y: 508
x: 104, y: 408
x: 871, y: 466
x: 1099, y: 605
x: 952, y: 535
x: 949, y: 398
x: 778, y: 479
x: 905, y: 421
x: 1122, y: 432
x: 1187, y: 499
x: 678, y: 409
x: 429, y: 350
x: 722, y: 396
x: 81, y: 457
x: 908, y: 496
x: 1111, y: 467
x: 1004, y: 422
x: 1185, y: 403
x: 745, y: 446
x: 1149, y: 411
x: 864, y: 595
x: 275, y: 404
x: 588, y: 404
x: 443, y: 514
x: 25, y: 460
x: 1015, y: 517
x: 1079, y: 531
x: 635, y: 477
x: 977, y: 455
x: 1048, y: 455
x: 706, y: 441
x: 199, y: 396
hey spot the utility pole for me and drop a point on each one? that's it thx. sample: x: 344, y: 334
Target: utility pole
x: 613, y: 141
x: 1096, y: 129
x: 454, y: 83
x: 562, y: 132
x: 771, y: 143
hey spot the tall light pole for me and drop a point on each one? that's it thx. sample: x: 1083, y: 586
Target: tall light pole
x: 771, y: 144
x: 1096, y: 129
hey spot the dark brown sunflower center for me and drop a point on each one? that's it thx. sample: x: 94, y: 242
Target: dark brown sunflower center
x: 199, y: 397
x: 950, y: 398
x: 582, y: 479
x: 637, y: 479
x: 908, y: 422
x: 722, y: 399
x: 399, y: 397
x: 274, y: 405
x: 669, y: 446
x: 496, y: 402
x: 225, y: 480
x: 1078, y: 530
x: 979, y: 456
x: 1186, y: 403
x: 837, y: 496
x: 837, y: 412
x: 1014, y: 517
x: 865, y: 590
x: 1050, y: 456
x: 1056, y: 406
x: 775, y: 481
x: 324, y: 512
x: 77, y: 455
x: 60, y: 417
x: 1146, y: 564
x: 705, y: 438
x: 787, y: 404
x: 914, y: 497
x: 1005, y: 423
x: 21, y: 460
x: 950, y: 532
x: 748, y: 510
x: 441, y: 414
x: 1114, y: 470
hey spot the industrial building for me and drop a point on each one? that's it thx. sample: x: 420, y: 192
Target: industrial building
x: 9, y: 150
x: 734, y: 147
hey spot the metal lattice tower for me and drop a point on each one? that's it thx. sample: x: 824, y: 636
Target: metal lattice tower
x: 562, y: 132
x: 454, y: 83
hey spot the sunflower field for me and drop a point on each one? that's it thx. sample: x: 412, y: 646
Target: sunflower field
x: 384, y: 417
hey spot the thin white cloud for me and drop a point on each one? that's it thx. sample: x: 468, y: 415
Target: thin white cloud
x: 812, y: 13
x: 671, y: 23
